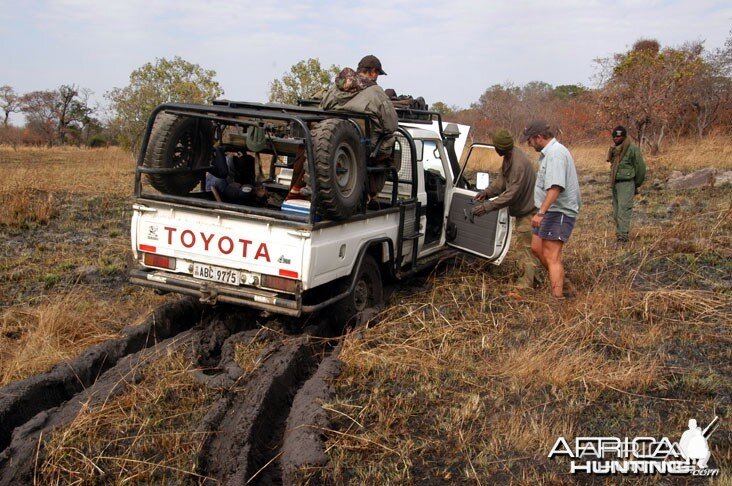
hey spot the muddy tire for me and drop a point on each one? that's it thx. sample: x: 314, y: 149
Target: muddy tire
x: 340, y: 168
x: 367, y: 293
x: 177, y: 142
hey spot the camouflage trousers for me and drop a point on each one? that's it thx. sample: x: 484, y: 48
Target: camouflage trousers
x: 526, y: 260
x: 623, y: 194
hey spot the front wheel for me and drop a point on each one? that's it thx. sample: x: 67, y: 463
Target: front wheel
x: 368, y: 293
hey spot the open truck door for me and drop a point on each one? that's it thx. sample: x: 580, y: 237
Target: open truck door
x: 487, y: 236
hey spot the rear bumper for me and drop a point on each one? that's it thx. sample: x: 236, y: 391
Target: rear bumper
x: 211, y: 292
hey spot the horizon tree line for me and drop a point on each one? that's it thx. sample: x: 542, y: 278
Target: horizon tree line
x: 658, y: 93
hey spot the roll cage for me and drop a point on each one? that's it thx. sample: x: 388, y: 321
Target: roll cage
x: 286, y: 129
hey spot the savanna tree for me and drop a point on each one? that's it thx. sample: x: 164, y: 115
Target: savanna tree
x: 443, y: 108
x: 711, y: 90
x: 648, y: 88
x: 52, y: 114
x: 164, y: 81
x: 72, y: 110
x: 502, y: 106
x: 304, y: 80
x: 9, y: 102
x: 513, y: 107
x: 39, y: 108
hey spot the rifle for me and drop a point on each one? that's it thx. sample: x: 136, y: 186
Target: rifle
x: 709, y: 430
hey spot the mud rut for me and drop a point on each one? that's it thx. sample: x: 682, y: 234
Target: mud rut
x: 263, y: 428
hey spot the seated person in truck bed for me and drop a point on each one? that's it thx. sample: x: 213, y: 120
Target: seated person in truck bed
x: 232, y: 179
x: 357, y: 91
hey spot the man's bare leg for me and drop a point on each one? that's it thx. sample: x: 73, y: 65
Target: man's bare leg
x: 552, y: 251
x: 537, y: 247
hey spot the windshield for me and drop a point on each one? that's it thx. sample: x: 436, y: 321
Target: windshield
x: 432, y: 158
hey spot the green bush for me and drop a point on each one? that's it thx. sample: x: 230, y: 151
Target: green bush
x: 97, y: 141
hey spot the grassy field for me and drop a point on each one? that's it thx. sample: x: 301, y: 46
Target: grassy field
x: 461, y: 381
x: 64, y: 237
x: 468, y: 382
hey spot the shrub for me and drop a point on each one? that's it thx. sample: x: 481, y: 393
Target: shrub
x: 97, y: 141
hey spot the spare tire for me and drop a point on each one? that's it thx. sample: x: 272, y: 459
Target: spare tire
x: 178, y: 142
x: 340, y: 168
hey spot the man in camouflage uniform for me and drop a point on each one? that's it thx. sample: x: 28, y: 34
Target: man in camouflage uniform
x: 513, y: 188
x: 627, y: 173
x: 357, y: 91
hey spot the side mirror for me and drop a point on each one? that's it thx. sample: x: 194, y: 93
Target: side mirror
x: 451, y: 131
x: 482, y: 180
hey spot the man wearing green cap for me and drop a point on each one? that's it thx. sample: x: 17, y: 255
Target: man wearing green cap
x: 513, y: 188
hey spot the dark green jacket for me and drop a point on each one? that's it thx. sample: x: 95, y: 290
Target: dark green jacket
x: 631, y: 167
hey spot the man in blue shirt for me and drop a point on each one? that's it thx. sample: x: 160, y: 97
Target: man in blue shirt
x: 557, y: 195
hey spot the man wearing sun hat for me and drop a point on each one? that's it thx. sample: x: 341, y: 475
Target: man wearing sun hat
x: 627, y: 173
x: 513, y: 188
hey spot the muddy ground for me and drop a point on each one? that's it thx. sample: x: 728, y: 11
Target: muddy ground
x: 257, y: 424
x: 260, y: 425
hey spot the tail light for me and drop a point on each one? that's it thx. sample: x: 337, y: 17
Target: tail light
x: 279, y: 283
x: 160, y: 261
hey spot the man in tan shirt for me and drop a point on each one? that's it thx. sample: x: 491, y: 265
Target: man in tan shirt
x: 513, y: 188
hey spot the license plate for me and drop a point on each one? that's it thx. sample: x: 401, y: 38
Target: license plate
x: 216, y: 274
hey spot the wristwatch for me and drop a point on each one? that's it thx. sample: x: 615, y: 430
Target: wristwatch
x: 540, y: 213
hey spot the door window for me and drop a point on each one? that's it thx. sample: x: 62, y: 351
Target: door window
x: 482, y: 158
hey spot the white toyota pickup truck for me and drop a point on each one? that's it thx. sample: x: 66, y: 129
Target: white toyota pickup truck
x: 296, y: 257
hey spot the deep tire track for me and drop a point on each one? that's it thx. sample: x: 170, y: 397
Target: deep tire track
x: 22, y: 400
x: 18, y: 460
x: 247, y: 424
x: 303, y: 444
x: 264, y: 427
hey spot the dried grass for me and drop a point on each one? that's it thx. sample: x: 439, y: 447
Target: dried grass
x: 145, y: 436
x: 61, y: 214
x: 459, y: 382
x: 250, y: 354
x: 462, y: 383
x: 33, y: 339
x: 69, y: 169
x: 22, y: 202
x: 449, y: 388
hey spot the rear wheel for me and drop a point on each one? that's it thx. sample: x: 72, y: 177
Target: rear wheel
x: 368, y: 293
x: 178, y: 142
x: 340, y: 168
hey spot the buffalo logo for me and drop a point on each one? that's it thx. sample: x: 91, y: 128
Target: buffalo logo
x: 152, y: 232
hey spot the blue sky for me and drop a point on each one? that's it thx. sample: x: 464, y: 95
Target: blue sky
x: 446, y: 50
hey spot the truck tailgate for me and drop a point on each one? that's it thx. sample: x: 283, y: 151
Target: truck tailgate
x: 226, y: 240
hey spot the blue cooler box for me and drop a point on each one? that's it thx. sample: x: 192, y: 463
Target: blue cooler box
x: 300, y: 207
